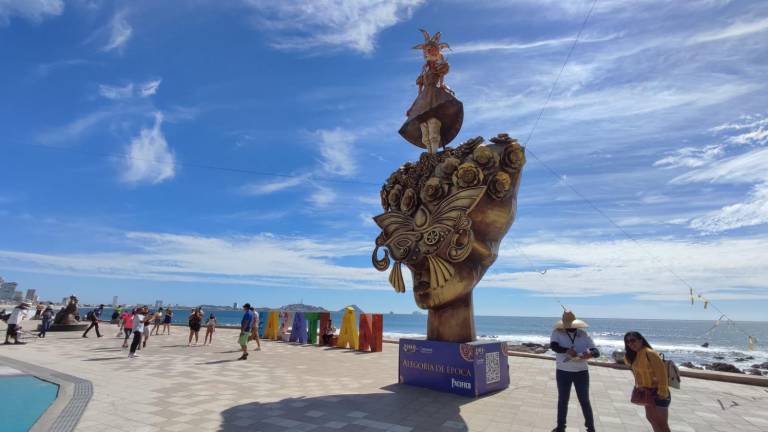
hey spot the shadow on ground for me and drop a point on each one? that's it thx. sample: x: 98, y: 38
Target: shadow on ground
x: 399, y: 408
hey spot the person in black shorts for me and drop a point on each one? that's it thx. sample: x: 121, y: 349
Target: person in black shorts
x: 195, y: 322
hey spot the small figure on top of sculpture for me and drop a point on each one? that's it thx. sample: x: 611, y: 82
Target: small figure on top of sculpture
x: 435, y: 117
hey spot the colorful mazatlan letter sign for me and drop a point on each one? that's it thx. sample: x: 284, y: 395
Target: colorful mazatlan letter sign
x: 304, y: 327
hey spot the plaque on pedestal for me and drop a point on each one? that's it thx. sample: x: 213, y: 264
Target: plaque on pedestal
x: 468, y: 369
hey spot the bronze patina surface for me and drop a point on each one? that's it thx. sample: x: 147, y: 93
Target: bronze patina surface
x: 444, y: 218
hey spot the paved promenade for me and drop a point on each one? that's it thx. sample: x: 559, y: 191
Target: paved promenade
x: 285, y: 387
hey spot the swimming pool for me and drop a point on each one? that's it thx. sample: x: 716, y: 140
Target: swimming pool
x: 25, y: 399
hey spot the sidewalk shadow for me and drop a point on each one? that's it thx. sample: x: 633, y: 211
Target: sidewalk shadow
x: 213, y: 362
x: 400, y: 405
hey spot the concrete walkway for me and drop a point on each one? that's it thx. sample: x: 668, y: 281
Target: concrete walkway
x: 285, y: 387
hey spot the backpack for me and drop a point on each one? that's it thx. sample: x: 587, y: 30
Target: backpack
x: 673, y: 373
x: 90, y: 316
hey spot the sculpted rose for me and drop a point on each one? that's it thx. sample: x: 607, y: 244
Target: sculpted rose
x: 513, y: 157
x: 433, y: 190
x: 394, y: 196
x: 408, y: 202
x: 467, y: 175
x: 499, y: 185
x: 485, y: 158
x: 446, y: 168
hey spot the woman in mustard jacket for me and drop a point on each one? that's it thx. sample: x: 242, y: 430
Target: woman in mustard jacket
x: 650, y: 375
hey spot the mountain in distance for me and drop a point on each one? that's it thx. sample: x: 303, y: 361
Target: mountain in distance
x: 301, y: 307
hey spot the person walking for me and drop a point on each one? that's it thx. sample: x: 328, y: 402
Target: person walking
x: 140, y: 319
x: 573, y: 347
x: 246, y: 324
x: 651, y: 385
x: 167, y: 319
x: 255, y: 329
x: 158, y: 322
x: 210, y: 328
x: 94, y: 316
x: 126, y: 321
x: 195, y: 322
x: 47, y: 317
x: 151, y: 319
x: 18, y: 315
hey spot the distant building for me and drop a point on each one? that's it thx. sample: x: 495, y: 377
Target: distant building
x: 158, y: 304
x: 114, y: 301
x: 18, y: 296
x: 234, y: 305
x: 31, y: 295
x: 64, y: 300
x: 8, y: 290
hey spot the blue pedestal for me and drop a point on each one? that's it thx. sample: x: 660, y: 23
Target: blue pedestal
x: 468, y: 369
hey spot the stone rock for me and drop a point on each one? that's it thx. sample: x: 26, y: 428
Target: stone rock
x: 723, y: 367
x: 618, y: 356
x: 754, y: 371
x: 690, y: 365
x: 760, y: 365
x: 743, y: 359
x: 719, y: 358
x: 529, y: 347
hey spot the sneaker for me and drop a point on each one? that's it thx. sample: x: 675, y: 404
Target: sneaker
x: 243, y: 357
x: 258, y: 348
x: 85, y: 336
x: 19, y: 343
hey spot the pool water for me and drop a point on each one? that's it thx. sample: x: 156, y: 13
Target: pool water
x: 24, y: 399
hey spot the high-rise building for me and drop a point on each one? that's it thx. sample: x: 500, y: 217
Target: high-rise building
x: 114, y: 301
x: 65, y: 300
x: 18, y: 296
x: 30, y: 295
x: 234, y: 305
x: 158, y: 304
x: 8, y: 290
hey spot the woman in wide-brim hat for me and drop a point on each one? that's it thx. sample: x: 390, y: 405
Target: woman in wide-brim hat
x: 573, y: 347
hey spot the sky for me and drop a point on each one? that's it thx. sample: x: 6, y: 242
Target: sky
x: 230, y: 151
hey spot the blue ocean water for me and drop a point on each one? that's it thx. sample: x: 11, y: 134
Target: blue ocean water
x: 30, y: 398
x: 680, y: 341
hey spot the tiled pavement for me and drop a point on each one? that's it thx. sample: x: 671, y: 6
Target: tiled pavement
x: 287, y: 387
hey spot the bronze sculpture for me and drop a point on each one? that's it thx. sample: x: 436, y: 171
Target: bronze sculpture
x: 435, y: 117
x: 444, y: 218
x: 66, y: 316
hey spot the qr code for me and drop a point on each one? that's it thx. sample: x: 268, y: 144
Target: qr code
x: 492, y: 371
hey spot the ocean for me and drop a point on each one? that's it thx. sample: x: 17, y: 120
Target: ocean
x: 680, y: 341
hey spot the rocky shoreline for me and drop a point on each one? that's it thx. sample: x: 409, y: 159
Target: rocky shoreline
x: 757, y: 369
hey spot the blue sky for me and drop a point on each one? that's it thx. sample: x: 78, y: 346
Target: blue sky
x: 211, y: 152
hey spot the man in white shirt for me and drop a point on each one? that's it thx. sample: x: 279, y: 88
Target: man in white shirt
x: 573, y: 347
x: 14, y: 323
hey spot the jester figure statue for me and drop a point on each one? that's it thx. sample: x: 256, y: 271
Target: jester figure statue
x: 435, y: 117
x: 444, y: 218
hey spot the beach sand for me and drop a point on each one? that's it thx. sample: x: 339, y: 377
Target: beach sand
x: 286, y: 387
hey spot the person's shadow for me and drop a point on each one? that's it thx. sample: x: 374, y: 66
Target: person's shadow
x: 400, y: 408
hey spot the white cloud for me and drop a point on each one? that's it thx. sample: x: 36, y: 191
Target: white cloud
x: 349, y: 24
x: 754, y: 211
x: 119, y: 34
x: 506, y: 45
x: 749, y: 167
x: 76, y: 129
x: 578, y: 268
x: 32, y: 10
x: 148, y: 158
x: 149, y: 88
x: 130, y: 90
x: 337, y: 149
x: 691, y: 157
x: 322, y: 196
x: 116, y: 92
x: 738, y: 29
x: 259, y: 260
x: 266, y: 188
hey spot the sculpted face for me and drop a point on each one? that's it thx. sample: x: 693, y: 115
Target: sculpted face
x: 449, y: 236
